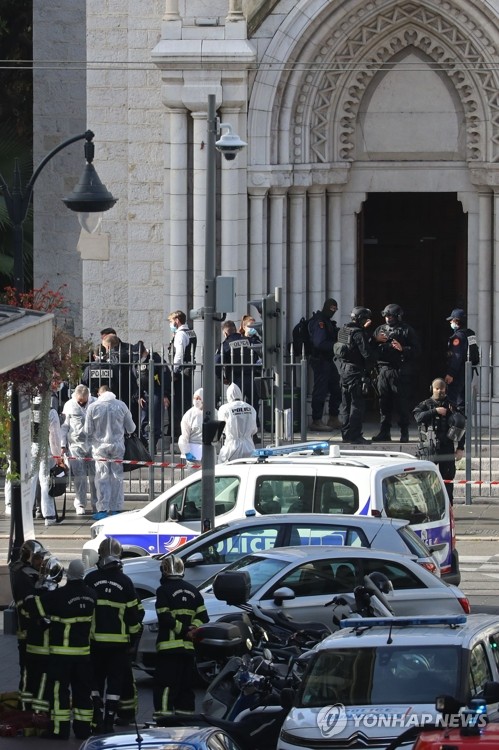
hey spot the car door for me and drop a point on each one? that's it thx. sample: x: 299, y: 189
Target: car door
x: 480, y: 672
x: 411, y: 595
x: 210, y: 557
x: 314, y: 583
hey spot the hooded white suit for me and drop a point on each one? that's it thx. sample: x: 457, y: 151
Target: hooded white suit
x: 240, y: 426
x: 191, y: 428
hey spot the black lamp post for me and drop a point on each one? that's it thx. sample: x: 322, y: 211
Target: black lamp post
x: 89, y: 198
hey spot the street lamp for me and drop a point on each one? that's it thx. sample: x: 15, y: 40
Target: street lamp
x: 89, y: 198
x: 229, y: 144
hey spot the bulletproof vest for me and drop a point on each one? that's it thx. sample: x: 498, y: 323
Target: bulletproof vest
x: 345, y: 335
x: 102, y: 373
x: 190, y: 349
x: 240, y: 350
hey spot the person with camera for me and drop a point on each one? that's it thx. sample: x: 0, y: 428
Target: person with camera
x: 355, y: 355
x: 398, y: 348
x: 440, y: 424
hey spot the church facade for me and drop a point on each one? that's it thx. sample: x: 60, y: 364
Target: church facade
x: 371, y: 173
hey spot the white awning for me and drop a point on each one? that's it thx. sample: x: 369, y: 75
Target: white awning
x: 25, y: 336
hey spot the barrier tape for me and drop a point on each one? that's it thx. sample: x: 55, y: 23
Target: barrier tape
x: 145, y: 464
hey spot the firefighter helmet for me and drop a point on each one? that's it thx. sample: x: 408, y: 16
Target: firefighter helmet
x: 110, y: 551
x: 172, y: 566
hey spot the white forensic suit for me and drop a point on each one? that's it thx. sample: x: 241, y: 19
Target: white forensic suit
x: 75, y: 440
x: 106, y: 422
x: 47, y: 502
x: 240, y: 426
x: 190, y: 441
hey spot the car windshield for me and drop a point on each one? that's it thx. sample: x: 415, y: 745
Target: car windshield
x: 259, y: 569
x: 383, y: 675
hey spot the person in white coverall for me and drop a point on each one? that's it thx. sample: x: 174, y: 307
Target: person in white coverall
x: 76, y: 445
x: 240, y: 426
x: 190, y: 441
x: 47, y: 502
x: 106, y: 422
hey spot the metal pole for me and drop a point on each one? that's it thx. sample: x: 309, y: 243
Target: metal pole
x: 209, y: 453
x: 468, y: 372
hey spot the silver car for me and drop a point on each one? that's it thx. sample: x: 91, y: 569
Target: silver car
x: 303, y: 580
x: 209, y: 553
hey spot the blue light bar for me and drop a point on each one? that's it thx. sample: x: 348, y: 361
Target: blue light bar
x: 383, y: 622
x: 284, y: 450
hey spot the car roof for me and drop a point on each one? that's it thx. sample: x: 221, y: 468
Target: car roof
x: 405, y: 635
x: 152, y: 737
x: 346, y: 518
x: 309, y: 553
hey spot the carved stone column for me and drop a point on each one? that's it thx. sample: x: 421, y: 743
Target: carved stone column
x: 176, y: 193
x: 316, y: 250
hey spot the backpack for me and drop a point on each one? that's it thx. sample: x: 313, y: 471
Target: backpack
x: 473, y: 350
x: 302, y: 343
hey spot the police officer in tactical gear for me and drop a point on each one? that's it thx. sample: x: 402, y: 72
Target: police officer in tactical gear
x: 182, y: 352
x: 323, y: 336
x: 398, y: 348
x: 180, y: 608
x: 436, y: 413
x: 458, y: 346
x: 355, y: 355
x: 118, y: 618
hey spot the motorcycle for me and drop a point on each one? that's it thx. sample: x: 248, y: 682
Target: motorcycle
x: 248, y: 699
x: 368, y: 600
x: 249, y: 631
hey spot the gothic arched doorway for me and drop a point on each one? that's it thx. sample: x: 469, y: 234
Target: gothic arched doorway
x: 412, y: 250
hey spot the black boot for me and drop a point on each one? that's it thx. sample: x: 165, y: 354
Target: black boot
x: 383, y: 436
x: 404, y: 435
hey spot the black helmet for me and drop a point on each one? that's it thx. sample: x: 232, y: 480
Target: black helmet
x: 457, y: 426
x: 28, y: 549
x: 361, y: 314
x: 392, y: 310
x: 110, y: 551
x: 51, y: 570
x: 381, y: 582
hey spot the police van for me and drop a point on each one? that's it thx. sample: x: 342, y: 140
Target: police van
x: 375, y: 679
x: 303, y: 478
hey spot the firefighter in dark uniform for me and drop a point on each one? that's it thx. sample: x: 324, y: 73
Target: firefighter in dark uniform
x: 323, y: 333
x: 24, y: 574
x: 355, y: 355
x: 118, y: 618
x: 34, y: 695
x: 180, y: 608
x: 398, y: 348
x: 70, y: 610
x: 436, y: 413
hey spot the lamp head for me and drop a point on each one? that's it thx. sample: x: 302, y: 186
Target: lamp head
x: 90, y: 198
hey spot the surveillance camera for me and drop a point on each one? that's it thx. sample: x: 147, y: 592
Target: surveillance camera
x: 230, y: 143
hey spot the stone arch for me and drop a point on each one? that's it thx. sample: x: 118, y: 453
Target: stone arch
x: 341, y: 52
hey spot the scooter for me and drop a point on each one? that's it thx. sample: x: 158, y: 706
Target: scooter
x: 248, y: 699
x: 249, y: 631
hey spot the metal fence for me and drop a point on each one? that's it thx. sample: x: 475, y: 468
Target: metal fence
x: 288, y: 423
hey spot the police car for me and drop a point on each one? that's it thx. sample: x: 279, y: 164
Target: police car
x: 308, y: 477
x: 371, y: 681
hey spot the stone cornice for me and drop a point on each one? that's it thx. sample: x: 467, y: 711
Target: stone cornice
x: 206, y: 53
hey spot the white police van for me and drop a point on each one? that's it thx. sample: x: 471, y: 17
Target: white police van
x: 303, y: 478
x: 374, y: 679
